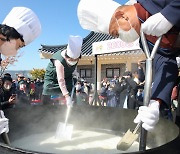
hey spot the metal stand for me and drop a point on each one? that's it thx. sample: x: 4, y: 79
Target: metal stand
x: 95, y: 98
x: 148, y: 83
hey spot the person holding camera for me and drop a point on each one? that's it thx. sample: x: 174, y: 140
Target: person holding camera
x: 7, y: 94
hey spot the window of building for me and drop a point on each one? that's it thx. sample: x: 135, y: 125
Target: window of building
x: 111, y: 72
x: 85, y: 73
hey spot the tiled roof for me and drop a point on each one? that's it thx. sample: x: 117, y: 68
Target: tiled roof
x: 86, y: 47
x: 133, y: 52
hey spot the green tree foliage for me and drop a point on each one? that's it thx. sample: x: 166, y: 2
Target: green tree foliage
x: 37, y: 73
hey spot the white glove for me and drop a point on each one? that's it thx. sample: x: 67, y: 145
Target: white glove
x: 69, y: 101
x: 3, y: 123
x: 148, y: 115
x: 156, y: 25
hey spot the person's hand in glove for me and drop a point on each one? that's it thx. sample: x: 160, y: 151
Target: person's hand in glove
x: 69, y: 101
x: 156, y: 25
x: 149, y: 115
x: 3, y: 123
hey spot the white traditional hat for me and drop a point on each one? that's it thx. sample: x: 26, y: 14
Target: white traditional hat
x: 74, y: 46
x: 25, y: 21
x: 95, y: 15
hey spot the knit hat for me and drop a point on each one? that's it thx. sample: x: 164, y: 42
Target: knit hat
x: 25, y: 21
x: 95, y: 15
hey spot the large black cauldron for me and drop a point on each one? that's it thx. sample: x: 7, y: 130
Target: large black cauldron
x: 35, y: 119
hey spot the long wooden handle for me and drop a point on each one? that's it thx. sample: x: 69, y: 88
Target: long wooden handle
x: 137, y: 127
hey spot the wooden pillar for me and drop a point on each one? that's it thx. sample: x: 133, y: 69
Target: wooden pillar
x: 128, y: 65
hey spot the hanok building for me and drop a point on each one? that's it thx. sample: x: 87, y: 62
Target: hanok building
x: 113, y: 57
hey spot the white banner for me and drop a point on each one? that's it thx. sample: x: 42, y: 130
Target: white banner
x: 114, y: 45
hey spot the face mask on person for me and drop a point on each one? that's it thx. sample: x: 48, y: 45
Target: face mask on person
x: 78, y: 87
x: 72, y: 62
x: 8, y: 48
x: 22, y: 86
x: 7, y: 87
x: 127, y: 36
x: 104, y: 84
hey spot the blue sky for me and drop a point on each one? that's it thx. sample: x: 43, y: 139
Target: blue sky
x: 58, y: 19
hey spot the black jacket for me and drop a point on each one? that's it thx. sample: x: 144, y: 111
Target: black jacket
x: 128, y: 87
x: 4, y: 97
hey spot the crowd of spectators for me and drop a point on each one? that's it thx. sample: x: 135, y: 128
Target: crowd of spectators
x: 124, y: 91
x: 20, y: 91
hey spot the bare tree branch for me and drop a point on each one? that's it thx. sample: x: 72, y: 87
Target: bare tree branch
x: 8, y: 61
